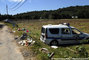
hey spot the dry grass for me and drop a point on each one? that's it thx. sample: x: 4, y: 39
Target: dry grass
x: 35, y: 28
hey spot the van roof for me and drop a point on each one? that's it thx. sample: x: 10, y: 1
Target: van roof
x: 57, y: 26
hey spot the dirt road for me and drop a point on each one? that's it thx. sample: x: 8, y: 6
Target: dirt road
x: 8, y: 48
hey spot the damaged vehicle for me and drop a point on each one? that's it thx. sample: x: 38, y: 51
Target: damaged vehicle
x: 62, y: 34
x: 11, y: 22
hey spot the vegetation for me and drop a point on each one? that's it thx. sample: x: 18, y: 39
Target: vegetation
x: 34, y: 27
x: 61, y: 13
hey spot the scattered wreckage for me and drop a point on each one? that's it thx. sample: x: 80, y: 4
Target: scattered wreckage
x: 11, y: 22
x: 25, y: 40
x: 45, y: 50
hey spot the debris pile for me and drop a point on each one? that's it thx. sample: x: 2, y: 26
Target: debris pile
x: 82, y: 51
x: 55, y: 47
x: 25, y: 39
x: 45, y: 50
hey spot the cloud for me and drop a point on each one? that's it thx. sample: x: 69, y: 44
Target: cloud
x: 17, y: 0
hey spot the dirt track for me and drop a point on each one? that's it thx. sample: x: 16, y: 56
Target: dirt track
x: 8, y: 48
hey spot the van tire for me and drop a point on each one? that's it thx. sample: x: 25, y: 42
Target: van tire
x: 54, y: 43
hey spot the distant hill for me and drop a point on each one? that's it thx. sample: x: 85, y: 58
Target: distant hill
x: 61, y: 13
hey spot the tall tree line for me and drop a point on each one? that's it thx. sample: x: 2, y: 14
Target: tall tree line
x: 61, y: 13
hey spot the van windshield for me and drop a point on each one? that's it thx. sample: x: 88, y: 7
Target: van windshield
x: 75, y: 31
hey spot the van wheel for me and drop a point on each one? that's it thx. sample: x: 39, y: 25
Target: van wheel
x: 54, y: 43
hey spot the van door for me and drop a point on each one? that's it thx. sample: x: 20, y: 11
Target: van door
x: 77, y: 35
x: 66, y: 34
x: 67, y: 37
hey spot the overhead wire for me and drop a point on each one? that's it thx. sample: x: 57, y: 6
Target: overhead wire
x: 17, y: 4
x: 20, y: 5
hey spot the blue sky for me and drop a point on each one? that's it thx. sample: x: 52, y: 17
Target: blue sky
x: 37, y: 5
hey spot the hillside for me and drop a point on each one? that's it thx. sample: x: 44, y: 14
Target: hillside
x: 80, y: 11
x: 61, y: 13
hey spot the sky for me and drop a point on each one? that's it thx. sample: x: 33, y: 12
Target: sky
x: 17, y: 6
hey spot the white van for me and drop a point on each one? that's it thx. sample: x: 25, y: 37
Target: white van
x: 61, y: 34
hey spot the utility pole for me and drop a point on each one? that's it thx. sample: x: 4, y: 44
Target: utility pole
x: 6, y: 9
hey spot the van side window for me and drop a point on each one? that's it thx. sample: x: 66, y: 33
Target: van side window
x: 65, y: 31
x: 54, y: 30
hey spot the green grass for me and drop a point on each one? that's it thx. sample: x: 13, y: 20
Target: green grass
x: 62, y: 52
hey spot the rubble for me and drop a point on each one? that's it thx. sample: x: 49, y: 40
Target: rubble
x: 14, y: 31
x: 26, y: 42
x: 24, y: 36
x: 23, y: 29
x: 50, y: 55
x: 45, y: 50
x: 19, y: 29
x: 55, y: 47
x: 16, y: 37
